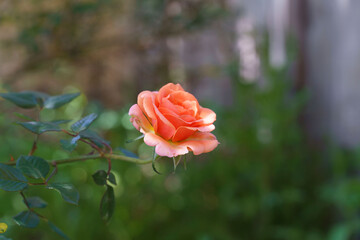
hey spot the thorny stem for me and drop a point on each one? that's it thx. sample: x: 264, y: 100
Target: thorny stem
x: 96, y: 156
x: 25, y: 200
x: 96, y: 148
x: 53, y: 172
x: 30, y: 209
x: 34, y: 146
x: 83, y: 140
x: 109, y: 159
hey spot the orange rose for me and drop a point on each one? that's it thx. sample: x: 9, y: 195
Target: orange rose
x: 173, y: 121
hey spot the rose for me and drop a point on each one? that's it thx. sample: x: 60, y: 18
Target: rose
x: 173, y: 121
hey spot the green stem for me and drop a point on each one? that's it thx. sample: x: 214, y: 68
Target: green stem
x: 96, y: 156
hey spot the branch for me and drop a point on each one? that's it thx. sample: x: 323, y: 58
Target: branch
x: 95, y: 156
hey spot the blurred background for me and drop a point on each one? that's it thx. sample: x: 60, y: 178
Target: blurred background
x: 282, y: 76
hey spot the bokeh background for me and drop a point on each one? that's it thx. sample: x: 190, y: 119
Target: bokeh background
x: 282, y: 76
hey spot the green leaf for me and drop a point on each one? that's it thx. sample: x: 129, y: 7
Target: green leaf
x: 26, y: 99
x: 100, y: 177
x: 133, y: 140
x: 12, y: 179
x: 58, y: 101
x: 128, y: 153
x: 58, y: 230
x: 36, y: 202
x: 112, y: 178
x: 67, y: 191
x: 94, y: 137
x: 83, y: 123
x: 22, y: 116
x: 40, y: 127
x: 27, y: 219
x: 107, y: 204
x: 69, y: 145
x: 32, y: 166
x: 58, y: 122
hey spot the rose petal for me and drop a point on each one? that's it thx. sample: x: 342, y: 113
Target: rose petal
x: 179, y: 97
x: 183, y: 133
x: 176, y: 121
x: 207, y: 115
x: 163, y: 147
x: 176, y: 109
x: 208, y: 128
x: 198, y: 143
x: 168, y: 89
x: 146, y: 104
x: 138, y: 119
x: 164, y: 128
x: 191, y: 107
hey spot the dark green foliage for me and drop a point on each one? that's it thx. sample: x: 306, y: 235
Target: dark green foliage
x: 36, y: 202
x: 69, y: 145
x: 11, y: 179
x: 107, y: 205
x: 94, y: 137
x: 67, y: 191
x: 32, y: 166
x: 58, y: 101
x: 112, y: 178
x: 100, y: 177
x: 26, y: 99
x: 31, y: 99
x: 27, y: 219
x: 40, y: 127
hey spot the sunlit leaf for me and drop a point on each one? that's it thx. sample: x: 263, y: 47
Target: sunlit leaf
x: 112, y: 178
x: 69, y: 145
x: 94, y: 137
x: 67, y: 191
x: 83, y: 123
x: 58, y: 101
